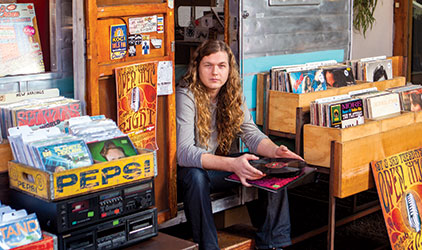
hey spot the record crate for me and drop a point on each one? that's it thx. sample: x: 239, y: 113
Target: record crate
x: 48, y: 242
x: 68, y: 183
x: 355, y: 147
x: 281, y: 114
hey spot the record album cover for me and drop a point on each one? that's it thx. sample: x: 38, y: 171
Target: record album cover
x: 111, y: 149
x: 64, y: 155
x: 338, y: 76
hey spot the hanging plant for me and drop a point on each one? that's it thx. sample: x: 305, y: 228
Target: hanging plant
x: 363, y: 15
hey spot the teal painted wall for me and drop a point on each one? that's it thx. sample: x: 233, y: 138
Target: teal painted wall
x: 253, y: 66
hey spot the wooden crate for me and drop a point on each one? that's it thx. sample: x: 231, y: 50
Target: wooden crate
x: 355, y: 147
x: 68, y: 183
x: 5, y: 156
x: 282, y: 106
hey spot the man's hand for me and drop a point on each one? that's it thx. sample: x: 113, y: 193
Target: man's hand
x: 283, y: 152
x: 242, y: 168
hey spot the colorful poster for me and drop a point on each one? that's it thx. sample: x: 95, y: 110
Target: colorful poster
x: 118, y: 41
x: 137, y: 103
x: 20, y: 45
x: 398, y: 179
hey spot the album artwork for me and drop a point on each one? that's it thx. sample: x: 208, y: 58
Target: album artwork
x: 111, y: 149
x: 339, y: 76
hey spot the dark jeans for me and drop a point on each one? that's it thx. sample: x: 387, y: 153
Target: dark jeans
x: 270, y: 212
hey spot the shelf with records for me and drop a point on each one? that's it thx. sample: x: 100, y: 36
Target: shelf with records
x: 32, y: 108
x: 283, y: 114
x: 353, y: 108
x: 281, y: 111
x: 282, y: 107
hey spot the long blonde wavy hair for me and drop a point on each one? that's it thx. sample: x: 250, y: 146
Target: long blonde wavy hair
x: 229, y: 114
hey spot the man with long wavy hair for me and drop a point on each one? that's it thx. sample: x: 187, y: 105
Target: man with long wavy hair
x: 211, y: 115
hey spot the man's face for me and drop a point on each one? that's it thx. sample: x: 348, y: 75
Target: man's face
x: 214, y: 71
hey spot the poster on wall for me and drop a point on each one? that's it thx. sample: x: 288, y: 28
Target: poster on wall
x: 20, y: 45
x: 137, y: 103
x: 398, y: 179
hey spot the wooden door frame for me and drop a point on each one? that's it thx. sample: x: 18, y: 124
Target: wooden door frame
x: 402, y: 41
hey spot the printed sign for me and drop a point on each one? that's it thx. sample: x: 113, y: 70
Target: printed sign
x: 165, y: 78
x: 398, y: 179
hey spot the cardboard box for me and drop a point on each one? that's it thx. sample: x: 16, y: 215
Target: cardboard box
x: 72, y: 182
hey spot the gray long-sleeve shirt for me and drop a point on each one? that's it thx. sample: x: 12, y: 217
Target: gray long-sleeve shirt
x: 189, y: 150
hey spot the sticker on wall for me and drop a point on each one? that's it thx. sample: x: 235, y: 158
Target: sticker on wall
x: 164, y: 78
x: 145, y: 45
x: 132, y: 45
x: 132, y: 51
x: 156, y: 43
x: 131, y: 40
x: 160, y: 24
x: 138, y: 25
x: 138, y: 39
x: 171, y: 4
x: 118, y: 41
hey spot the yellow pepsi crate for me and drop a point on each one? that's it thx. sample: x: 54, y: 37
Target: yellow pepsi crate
x: 55, y: 186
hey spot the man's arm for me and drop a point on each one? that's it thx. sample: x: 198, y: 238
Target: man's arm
x: 238, y: 165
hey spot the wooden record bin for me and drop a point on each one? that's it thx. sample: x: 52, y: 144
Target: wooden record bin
x: 285, y: 113
x: 282, y: 106
x: 355, y: 147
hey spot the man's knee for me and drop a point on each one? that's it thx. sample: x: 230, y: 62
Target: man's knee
x: 194, y: 177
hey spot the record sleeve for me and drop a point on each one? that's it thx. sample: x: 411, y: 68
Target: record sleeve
x: 280, y: 173
x: 339, y: 76
x: 111, y: 149
x: 64, y: 155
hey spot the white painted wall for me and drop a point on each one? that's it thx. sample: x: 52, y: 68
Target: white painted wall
x: 379, y: 40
